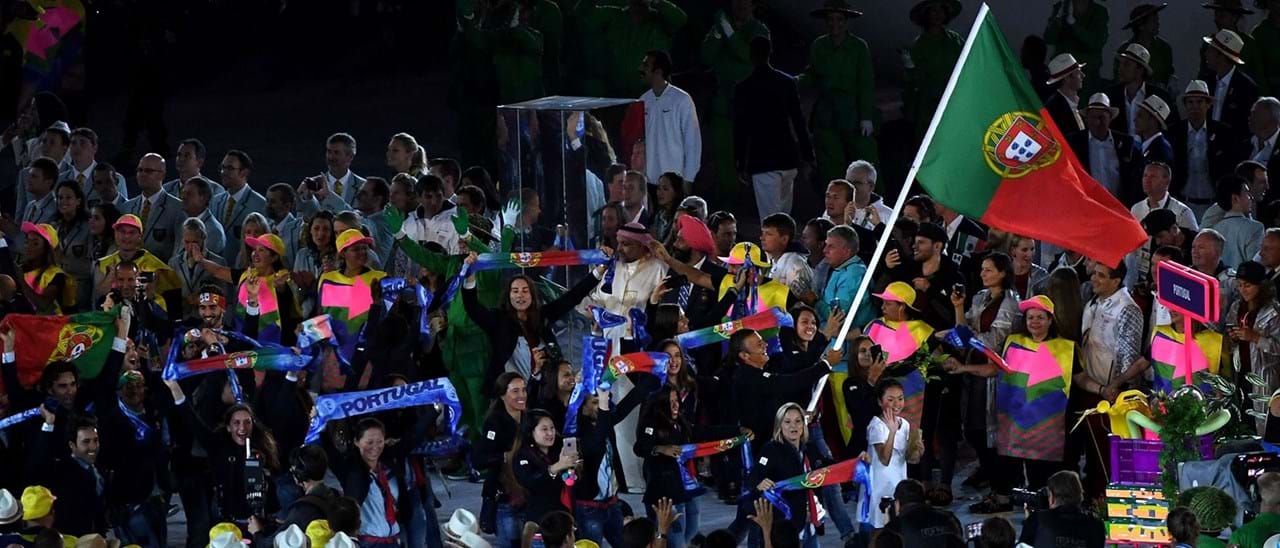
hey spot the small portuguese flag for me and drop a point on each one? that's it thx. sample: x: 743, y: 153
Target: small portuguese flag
x: 83, y: 339
x: 994, y: 154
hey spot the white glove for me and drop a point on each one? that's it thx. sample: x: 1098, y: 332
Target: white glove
x: 511, y: 213
x: 867, y: 128
x: 724, y: 25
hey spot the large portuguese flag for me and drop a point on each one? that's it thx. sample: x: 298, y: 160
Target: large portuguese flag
x: 994, y: 154
x: 83, y: 339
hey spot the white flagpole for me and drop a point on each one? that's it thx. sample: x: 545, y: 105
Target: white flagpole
x: 902, y: 194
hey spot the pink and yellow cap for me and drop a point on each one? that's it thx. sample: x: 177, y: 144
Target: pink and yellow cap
x: 45, y: 231
x: 742, y: 250
x: 1038, y: 302
x: 128, y: 219
x: 899, y: 292
x: 350, y: 237
x: 269, y: 241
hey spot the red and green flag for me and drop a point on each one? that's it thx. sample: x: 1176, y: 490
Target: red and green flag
x: 994, y: 154
x: 82, y: 339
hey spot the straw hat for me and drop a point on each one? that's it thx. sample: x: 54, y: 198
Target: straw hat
x: 1061, y: 66
x: 1100, y: 101
x: 293, y: 537
x: 10, y: 510
x: 1197, y: 88
x: 1139, y: 54
x: 1227, y: 42
x: 1142, y: 11
x: 461, y: 522
x: 1156, y: 106
x: 835, y: 6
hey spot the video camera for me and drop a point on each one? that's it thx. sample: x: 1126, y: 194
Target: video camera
x: 1033, y: 500
x: 255, y: 482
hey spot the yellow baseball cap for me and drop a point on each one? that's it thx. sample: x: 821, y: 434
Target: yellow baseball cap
x: 224, y: 528
x: 319, y: 532
x: 37, y: 502
x: 899, y: 292
x: 350, y: 237
x: 1039, y: 302
x: 744, y: 250
x: 269, y: 241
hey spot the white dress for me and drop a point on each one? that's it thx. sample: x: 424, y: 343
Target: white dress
x: 885, y: 478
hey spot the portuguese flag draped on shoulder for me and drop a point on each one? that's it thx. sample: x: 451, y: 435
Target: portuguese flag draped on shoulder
x: 994, y: 154
x: 83, y: 339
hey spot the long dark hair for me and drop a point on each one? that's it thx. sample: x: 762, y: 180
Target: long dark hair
x: 110, y: 214
x: 656, y: 412
x: 480, y: 177
x: 500, y: 387
x: 683, y: 379
x: 532, y: 328
x: 261, y: 437
x: 523, y: 439
x: 82, y: 213
x: 331, y: 248
x: 677, y: 185
x: 1004, y: 265
x: 551, y: 381
x: 666, y: 320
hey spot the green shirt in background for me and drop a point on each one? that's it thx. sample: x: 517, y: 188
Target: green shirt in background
x: 1266, y: 37
x: 843, y: 77
x: 1084, y: 39
x: 627, y: 41
x: 1256, y: 532
x: 729, y: 57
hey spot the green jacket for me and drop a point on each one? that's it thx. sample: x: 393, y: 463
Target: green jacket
x: 1266, y: 41
x: 844, y: 80
x: 546, y: 19
x: 627, y: 40
x: 934, y: 55
x: 516, y: 52
x: 489, y: 284
x: 1084, y: 40
x: 729, y: 57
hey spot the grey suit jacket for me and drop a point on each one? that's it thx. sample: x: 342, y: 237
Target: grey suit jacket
x: 194, y: 276
x: 233, y: 223
x: 162, y: 228
x: 215, y: 239
x: 289, y: 230
x: 90, y: 195
x: 333, y: 203
x: 174, y: 187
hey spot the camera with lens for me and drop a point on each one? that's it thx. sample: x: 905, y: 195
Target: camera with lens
x: 887, y: 507
x: 1033, y: 500
x: 255, y: 483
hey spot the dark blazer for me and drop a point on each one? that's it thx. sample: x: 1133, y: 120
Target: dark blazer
x: 1126, y: 152
x: 1117, y: 96
x: 778, y: 461
x: 1242, y: 92
x: 355, y: 475
x: 542, y: 491
x: 1061, y: 112
x: 1159, y: 151
x: 770, y: 133
x: 504, y: 332
x: 79, y: 510
x: 1222, y: 158
x: 661, y: 473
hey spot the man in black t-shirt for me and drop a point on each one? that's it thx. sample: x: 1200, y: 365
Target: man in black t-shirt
x: 1065, y: 523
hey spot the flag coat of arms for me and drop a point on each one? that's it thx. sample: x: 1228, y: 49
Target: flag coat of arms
x: 994, y: 154
x: 82, y: 339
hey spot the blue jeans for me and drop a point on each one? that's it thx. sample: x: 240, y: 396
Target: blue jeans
x: 599, y: 524
x: 830, y: 496
x: 145, y: 525
x: 423, y: 527
x: 510, y: 526
x: 692, y: 518
x: 675, y: 537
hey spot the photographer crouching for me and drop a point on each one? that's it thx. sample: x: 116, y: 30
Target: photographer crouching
x: 917, y: 522
x: 1065, y: 522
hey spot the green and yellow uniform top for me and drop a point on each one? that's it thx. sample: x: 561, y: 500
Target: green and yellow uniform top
x: 48, y: 279
x: 166, y: 278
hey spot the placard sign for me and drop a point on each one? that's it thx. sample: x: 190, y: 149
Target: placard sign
x: 1190, y: 293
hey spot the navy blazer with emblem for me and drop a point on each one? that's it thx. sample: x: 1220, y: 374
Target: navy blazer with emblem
x: 1242, y: 93
x: 1117, y: 95
x: 1222, y: 157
